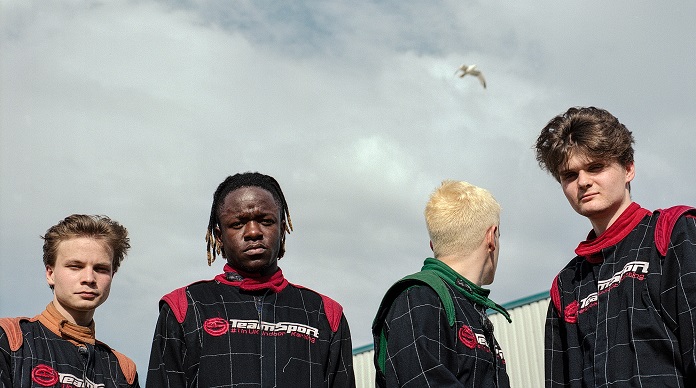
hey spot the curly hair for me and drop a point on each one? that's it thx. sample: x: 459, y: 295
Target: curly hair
x: 589, y: 131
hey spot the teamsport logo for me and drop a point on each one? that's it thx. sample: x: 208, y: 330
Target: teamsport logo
x: 471, y: 339
x: 216, y: 326
x: 634, y: 269
x: 46, y: 376
x: 467, y: 337
x: 269, y: 327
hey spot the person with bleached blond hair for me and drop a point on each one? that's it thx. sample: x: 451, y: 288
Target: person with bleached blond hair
x: 431, y: 328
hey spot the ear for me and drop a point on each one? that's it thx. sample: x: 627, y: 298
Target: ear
x: 217, y: 233
x: 431, y: 246
x: 630, y: 171
x: 50, y: 276
x: 281, y: 251
x: 490, y: 238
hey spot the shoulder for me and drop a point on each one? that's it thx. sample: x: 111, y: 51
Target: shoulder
x: 12, y: 331
x: 128, y: 367
x: 417, y: 297
x: 417, y: 290
x: 420, y: 306
x: 332, y: 309
x: 567, y: 276
x: 668, y: 221
x: 570, y: 270
x: 421, y: 292
x: 177, y: 300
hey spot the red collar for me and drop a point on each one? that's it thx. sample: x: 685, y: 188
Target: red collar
x: 623, y: 225
x: 248, y: 282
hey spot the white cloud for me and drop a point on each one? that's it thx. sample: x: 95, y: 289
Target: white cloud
x: 138, y: 109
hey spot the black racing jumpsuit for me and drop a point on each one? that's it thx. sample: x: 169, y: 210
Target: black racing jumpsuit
x: 241, y: 332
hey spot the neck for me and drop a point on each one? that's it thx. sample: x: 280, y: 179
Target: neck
x: 80, y: 318
x: 58, y: 323
x: 471, y: 266
x: 602, y: 222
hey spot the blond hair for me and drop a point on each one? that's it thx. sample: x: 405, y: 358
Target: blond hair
x: 458, y: 215
x: 97, y: 227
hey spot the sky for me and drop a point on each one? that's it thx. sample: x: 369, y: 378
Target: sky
x: 139, y: 109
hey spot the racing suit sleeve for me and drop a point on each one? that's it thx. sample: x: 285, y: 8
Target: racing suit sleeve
x: 5, y: 361
x: 416, y: 328
x: 168, y: 356
x: 555, y: 356
x: 340, y: 364
x: 678, y: 296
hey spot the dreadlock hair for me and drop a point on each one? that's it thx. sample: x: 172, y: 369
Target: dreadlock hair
x: 237, y: 181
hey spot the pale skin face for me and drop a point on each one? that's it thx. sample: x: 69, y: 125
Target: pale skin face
x: 81, y: 278
x: 597, y: 189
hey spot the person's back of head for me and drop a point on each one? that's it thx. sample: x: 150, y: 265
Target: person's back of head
x: 588, y: 131
x: 458, y: 215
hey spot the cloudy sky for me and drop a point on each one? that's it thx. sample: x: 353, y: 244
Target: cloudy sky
x: 139, y: 109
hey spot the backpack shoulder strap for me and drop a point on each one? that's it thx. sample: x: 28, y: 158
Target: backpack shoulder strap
x: 427, y: 278
x: 13, y: 332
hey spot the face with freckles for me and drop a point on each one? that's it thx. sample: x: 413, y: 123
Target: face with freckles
x: 250, y: 230
x: 81, y: 278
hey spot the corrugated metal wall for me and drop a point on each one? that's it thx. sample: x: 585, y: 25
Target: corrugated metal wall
x: 522, y: 342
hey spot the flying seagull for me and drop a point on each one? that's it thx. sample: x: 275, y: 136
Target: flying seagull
x: 473, y: 71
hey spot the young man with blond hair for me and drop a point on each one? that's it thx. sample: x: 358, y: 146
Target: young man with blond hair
x: 58, y: 347
x: 431, y: 328
x: 622, y: 311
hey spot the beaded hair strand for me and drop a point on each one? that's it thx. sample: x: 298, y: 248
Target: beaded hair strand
x: 234, y: 182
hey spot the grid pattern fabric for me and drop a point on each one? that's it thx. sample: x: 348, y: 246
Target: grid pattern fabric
x: 423, y: 350
x: 45, y: 359
x: 235, y: 338
x: 624, y: 314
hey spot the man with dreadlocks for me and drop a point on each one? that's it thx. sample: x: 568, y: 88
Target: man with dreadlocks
x: 249, y: 326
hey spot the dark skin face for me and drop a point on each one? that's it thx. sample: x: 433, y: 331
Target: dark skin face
x: 250, y: 230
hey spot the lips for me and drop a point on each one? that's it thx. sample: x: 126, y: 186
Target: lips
x: 588, y: 196
x: 255, y: 249
x: 87, y: 295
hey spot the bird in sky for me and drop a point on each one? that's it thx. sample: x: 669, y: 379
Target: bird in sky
x: 472, y: 70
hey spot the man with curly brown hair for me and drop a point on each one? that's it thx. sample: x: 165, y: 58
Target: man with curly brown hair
x: 623, y: 310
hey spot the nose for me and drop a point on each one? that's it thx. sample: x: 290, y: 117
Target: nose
x: 88, y: 276
x: 584, y: 179
x: 252, y: 231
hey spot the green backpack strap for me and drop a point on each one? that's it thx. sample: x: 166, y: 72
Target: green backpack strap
x: 428, y: 278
